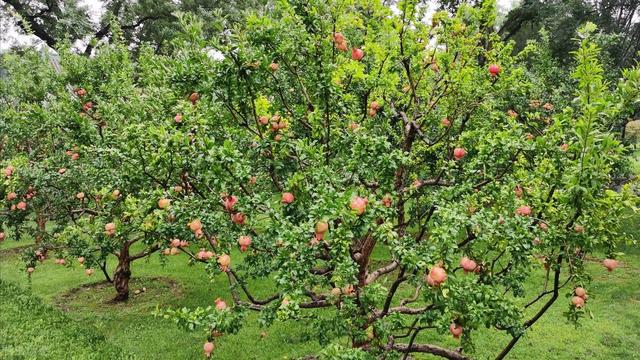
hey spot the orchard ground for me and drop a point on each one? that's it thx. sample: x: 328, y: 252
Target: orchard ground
x: 73, y: 314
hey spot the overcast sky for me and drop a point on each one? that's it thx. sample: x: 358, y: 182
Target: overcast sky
x: 95, y: 9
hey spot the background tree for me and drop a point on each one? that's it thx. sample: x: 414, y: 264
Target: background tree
x: 154, y: 22
x: 618, y: 23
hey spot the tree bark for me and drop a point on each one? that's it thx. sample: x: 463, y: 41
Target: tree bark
x: 122, y: 274
x: 41, y: 223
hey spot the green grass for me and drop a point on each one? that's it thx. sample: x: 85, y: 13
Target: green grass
x: 34, y: 330
x: 612, y: 333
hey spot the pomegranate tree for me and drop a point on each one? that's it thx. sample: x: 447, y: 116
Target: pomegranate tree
x: 334, y: 177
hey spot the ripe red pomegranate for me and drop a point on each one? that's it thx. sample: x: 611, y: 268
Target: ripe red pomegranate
x: 11, y: 196
x: 75, y: 156
x: 2, y: 236
x: 89, y: 271
x: 8, y: 171
x: 194, y: 97
x: 238, y: 218
x: 372, y: 113
x: 62, y: 171
x: 456, y: 330
x: 564, y: 147
x: 338, y: 37
x: 202, y: 255
x: 116, y: 193
x: 459, y: 153
x: 264, y: 120
x: 445, y: 122
x: 580, y: 291
x: 494, y: 69
x: 358, y: 204
x: 437, y: 276
x: 198, y: 233
x: 30, y: 270
x: 468, y: 265
x: 195, y: 225
x: 342, y: 46
x: 22, y: 206
x: 175, y: 243
x: 87, y: 106
x: 80, y: 195
x: 244, y: 242
x: 178, y: 118
x: 321, y: 227
x: 166, y: 252
x: 543, y: 226
x: 610, y: 264
x: 80, y: 92
x: 374, y: 106
x: 81, y: 260
x: 577, y: 301
x: 229, y: 202
x: 523, y: 210
x: 164, y: 203
x: 208, y: 348
x: 274, y: 67
x: 287, y: 198
x: 220, y: 304
x: 357, y: 54
x: 224, y: 261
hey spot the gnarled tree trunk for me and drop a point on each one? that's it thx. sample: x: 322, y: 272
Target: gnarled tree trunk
x: 41, y: 223
x: 122, y: 274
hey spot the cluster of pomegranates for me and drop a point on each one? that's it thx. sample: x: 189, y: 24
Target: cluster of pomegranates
x: 580, y: 295
x: 73, y: 153
x: 373, y: 108
x: 204, y: 254
x: 175, y: 244
x: 229, y: 202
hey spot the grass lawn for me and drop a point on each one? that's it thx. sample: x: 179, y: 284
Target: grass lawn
x: 81, y: 321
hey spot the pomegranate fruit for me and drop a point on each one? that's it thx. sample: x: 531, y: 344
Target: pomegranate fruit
x: 357, y: 54
x: 459, y: 153
x: 358, y: 204
x: 238, y: 218
x: 164, y: 203
x: 456, y: 330
x: 523, y: 210
x: 494, y: 69
x: 287, y: 198
x: 577, y: 301
x: 224, y: 261
x: 244, y: 242
x: 610, y: 264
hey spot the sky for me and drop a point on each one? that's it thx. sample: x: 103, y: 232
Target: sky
x: 95, y: 9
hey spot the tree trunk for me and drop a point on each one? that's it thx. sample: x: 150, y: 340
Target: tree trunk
x: 122, y: 274
x: 41, y: 223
